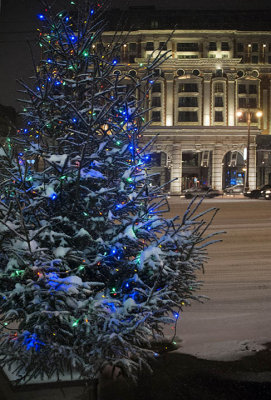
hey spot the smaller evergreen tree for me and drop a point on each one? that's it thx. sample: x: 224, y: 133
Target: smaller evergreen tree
x: 91, y: 270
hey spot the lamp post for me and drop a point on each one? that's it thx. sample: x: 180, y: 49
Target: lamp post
x: 249, y: 114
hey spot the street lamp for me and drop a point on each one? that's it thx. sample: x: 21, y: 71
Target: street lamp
x: 249, y: 114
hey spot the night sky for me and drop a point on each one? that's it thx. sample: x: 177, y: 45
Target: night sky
x: 18, y: 23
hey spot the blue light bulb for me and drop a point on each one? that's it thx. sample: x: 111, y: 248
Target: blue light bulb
x: 53, y: 196
x: 176, y: 315
x: 74, y: 120
x: 114, y: 62
x: 92, y: 12
x: 49, y: 60
x: 41, y: 17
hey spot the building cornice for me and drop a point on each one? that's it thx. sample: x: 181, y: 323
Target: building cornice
x: 175, y: 33
x: 215, y: 63
x: 193, y: 131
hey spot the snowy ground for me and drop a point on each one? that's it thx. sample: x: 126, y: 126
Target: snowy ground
x: 236, y: 321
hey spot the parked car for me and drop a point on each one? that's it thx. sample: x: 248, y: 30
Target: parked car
x: 257, y: 193
x: 201, y: 191
x: 267, y: 193
x: 235, y: 189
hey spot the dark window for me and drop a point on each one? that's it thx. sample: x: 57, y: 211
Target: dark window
x: 155, y: 159
x: 131, y: 59
x: 132, y: 47
x: 225, y: 46
x: 252, y: 103
x: 242, y: 102
x: 156, y: 102
x: 254, y: 59
x: 254, y: 117
x: 240, y: 56
x: 188, y: 116
x: 212, y: 46
x: 252, y: 89
x: 162, y: 46
x: 188, y: 87
x: 218, y: 101
x: 188, y: 102
x: 242, y: 88
x: 269, y: 47
x: 254, y: 47
x: 156, y: 116
x: 240, y: 47
x: 218, y: 87
x: 188, y: 56
x: 187, y: 47
x: 149, y: 46
x: 269, y: 59
x: 156, y: 87
x: 100, y: 48
x: 218, y: 116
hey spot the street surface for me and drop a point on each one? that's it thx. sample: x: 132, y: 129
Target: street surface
x: 237, y: 318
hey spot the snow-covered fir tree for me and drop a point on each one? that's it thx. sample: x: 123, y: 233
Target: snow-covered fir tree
x: 91, y: 269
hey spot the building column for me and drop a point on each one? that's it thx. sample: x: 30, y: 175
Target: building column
x: 252, y: 167
x: 265, y: 109
x: 217, y: 167
x: 231, y: 99
x: 269, y: 111
x: 207, y: 99
x: 176, y: 169
x: 169, y: 99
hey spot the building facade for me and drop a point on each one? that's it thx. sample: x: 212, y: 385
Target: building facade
x: 208, y: 76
